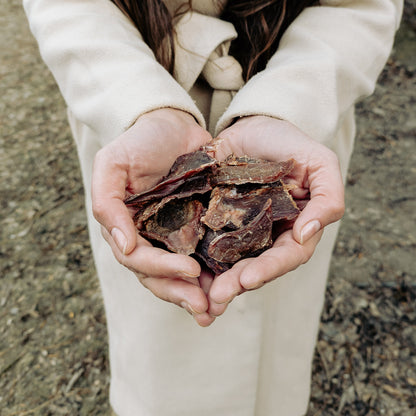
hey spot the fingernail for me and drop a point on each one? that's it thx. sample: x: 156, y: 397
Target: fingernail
x: 120, y: 239
x: 222, y: 302
x: 186, y: 274
x: 251, y: 283
x: 219, y: 309
x: 188, y: 308
x: 309, y: 230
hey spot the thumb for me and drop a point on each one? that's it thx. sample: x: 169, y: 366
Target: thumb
x: 108, y: 191
x: 326, y: 204
x: 320, y: 211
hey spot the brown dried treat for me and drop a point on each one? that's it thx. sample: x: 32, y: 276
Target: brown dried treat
x: 198, y: 184
x: 234, y: 206
x: 283, y: 205
x: 236, y: 171
x: 145, y: 211
x: 191, y: 163
x: 185, y: 166
x: 177, y: 224
x: 202, y: 252
x: 247, y: 205
x: 229, y: 247
x: 221, y: 212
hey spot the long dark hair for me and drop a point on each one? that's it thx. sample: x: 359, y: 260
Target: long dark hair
x: 260, y: 24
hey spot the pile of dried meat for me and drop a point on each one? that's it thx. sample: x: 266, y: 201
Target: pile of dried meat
x: 219, y: 211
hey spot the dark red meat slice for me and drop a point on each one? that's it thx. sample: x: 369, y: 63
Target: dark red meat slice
x: 145, y: 211
x: 177, y: 224
x: 234, y: 206
x: 236, y: 171
x: 202, y: 251
x: 184, y: 167
x: 248, y: 208
x: 255, y: 236
x: 191, y: 163
x: 198, y: 184
x: 222, y: 212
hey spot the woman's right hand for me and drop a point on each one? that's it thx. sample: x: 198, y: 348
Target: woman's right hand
x: 132, y: 163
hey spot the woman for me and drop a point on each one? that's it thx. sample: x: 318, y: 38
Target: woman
x: 138, y: 98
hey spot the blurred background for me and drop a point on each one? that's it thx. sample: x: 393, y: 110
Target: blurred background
x: 53, y: 352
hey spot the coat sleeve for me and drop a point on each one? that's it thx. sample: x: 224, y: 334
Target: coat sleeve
x: 107, y: 75
x: 328, y: 58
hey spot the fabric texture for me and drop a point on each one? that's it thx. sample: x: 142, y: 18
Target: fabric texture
x: 206, y: 55
x: 256, y: 359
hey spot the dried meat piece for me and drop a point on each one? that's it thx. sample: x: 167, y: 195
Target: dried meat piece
x: 145, y: 211
x: 202, y: 252
x: 222, y: 212
x: 184, y: 167
x: 283, y: 205
x: 233, y: 160
x: 248, y: 206
x: 256, y: 236
x: 198, y: 184
x: 190, y: 163
x: 234, y: 206
x: 237, y: 171
x: 177, y: 224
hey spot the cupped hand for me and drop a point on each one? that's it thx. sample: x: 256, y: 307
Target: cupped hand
x: 318, y: 183
x: 134, y: 162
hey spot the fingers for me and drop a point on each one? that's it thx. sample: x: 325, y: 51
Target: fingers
x: 170, y: 277
x: 225, y: 288
x: 285, y: 255
x: 188, y: 295
x: 205, y: 280
x: 108, y: 191
x: 326, y: 203
x: 318, y: 179
x: 249, y: 274
x: 183, y: 294
x: 153, y: 261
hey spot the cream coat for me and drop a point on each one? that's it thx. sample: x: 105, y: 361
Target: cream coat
x: 256, y: 359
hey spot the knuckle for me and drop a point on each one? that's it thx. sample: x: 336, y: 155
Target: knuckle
x: 121, y: 258
x: 100, y: 156
x: 338, y: 208
x: 331, y: 156
x: 140, y: 277
x: 307, y: 254
x: 98, y: 209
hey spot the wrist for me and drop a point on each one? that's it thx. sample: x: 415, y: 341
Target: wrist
x: 168, y: 114
x: 173, y: 124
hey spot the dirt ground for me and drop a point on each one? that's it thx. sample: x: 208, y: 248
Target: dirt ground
x: 53, y: 353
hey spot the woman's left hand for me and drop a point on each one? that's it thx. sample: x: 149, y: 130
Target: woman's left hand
x: 318, y: 180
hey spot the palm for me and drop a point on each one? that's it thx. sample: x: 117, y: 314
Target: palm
x: 318, y: 181
x: 149, y: 149
x: 132, y: 163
